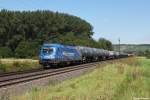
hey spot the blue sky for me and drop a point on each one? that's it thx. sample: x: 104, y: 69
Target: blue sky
x: 128, y: 20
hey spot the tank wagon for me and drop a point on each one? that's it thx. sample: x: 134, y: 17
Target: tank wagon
x: 90, y: 54
x: 54, y: 54
x: 123, y: 55
x: 113, y: 54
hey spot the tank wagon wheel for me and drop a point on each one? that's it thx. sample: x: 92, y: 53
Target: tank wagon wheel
x: 46, y: 66
x: 99, y: 58
x: 96, y: 59
x: 103, y: 58
x: 84, y: 59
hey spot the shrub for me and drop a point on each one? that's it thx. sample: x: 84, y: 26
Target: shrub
x: 5, y: 52
x: 26, y: 49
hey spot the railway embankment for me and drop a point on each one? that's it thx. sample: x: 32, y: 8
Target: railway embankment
x: 18, y: 83
x: 124, y: 79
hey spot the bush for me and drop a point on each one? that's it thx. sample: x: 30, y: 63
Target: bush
x: 5, y: 52
x: 147, y: 53
x: 26, y: 50
x: 148, y: 57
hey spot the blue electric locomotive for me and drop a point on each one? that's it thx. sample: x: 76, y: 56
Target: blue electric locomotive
x: 53, y: 54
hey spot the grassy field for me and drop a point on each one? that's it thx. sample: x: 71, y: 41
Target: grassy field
x: 12, y: 65
x: 122, y: 80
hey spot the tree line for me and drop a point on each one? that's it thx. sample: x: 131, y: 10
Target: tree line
x: 145, y: 53
x: 23, y: 32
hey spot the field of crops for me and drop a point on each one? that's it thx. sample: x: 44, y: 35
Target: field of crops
x: 13, y: 65
x: 122, y: 80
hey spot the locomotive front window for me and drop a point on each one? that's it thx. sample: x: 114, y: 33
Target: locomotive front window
x: 47, y: 50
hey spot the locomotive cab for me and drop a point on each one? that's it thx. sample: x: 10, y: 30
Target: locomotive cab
x: 47, y: 55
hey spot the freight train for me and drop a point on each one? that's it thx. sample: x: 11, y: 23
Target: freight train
x: 57, y: 54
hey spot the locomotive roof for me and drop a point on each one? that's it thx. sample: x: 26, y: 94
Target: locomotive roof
x: 50, y: 44
x: 57, y: 45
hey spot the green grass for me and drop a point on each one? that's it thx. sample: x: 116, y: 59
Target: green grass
x: 12, y: 65
x: 122, y: 80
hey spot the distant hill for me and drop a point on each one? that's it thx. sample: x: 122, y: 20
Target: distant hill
x: 133, y: 48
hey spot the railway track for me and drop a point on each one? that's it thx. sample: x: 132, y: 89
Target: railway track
x: 26, y: 76
x: 21, y: 77
x: 19, y: 72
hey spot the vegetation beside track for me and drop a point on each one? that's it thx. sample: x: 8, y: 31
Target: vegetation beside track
x: 14, y: 65
x: 122, y: 80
